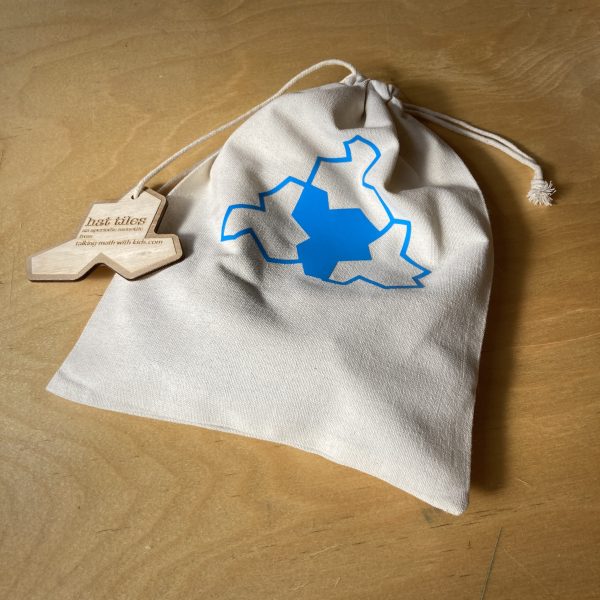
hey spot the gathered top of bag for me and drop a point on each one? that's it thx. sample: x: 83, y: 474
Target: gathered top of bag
x: 540, y: 191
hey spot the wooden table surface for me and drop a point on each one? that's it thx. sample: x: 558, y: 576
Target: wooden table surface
x: 96, y: 505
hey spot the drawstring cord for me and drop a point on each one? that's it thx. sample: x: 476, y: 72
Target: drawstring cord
x: 326, y: 63
x: 540, y: 192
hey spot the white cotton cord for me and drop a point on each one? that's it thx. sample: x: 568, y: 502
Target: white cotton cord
x: 325, y: 63
x: 540, y: 191
x: 171, y: 183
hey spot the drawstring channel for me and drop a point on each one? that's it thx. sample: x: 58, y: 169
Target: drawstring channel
x: 540, y: 192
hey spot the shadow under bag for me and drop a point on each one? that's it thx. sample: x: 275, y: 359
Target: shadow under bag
x: 332, y: 297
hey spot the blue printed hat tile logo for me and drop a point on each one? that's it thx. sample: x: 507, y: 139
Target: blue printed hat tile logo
x: 318, y: 224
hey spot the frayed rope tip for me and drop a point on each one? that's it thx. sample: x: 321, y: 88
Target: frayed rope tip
x: 540, y: 193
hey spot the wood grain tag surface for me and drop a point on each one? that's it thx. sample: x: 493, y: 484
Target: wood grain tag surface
x: 119, y: 234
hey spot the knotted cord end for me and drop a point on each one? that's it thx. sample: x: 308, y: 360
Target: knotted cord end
x: 540, y: 193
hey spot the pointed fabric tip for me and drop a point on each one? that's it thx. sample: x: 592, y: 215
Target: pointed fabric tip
x: 540, y: 193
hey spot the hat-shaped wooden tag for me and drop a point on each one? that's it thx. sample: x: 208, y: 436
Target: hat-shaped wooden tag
x: 119, y: 234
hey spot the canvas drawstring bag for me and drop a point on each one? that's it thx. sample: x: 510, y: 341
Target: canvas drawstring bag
x: 332, y: 296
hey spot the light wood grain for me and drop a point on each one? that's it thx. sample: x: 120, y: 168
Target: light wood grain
x: 101, y: 505
x: 120, y: 235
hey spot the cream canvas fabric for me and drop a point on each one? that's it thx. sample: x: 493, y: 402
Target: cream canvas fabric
x: 332, y: 297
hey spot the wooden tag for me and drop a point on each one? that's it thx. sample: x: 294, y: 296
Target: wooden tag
x: 119, y: 234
